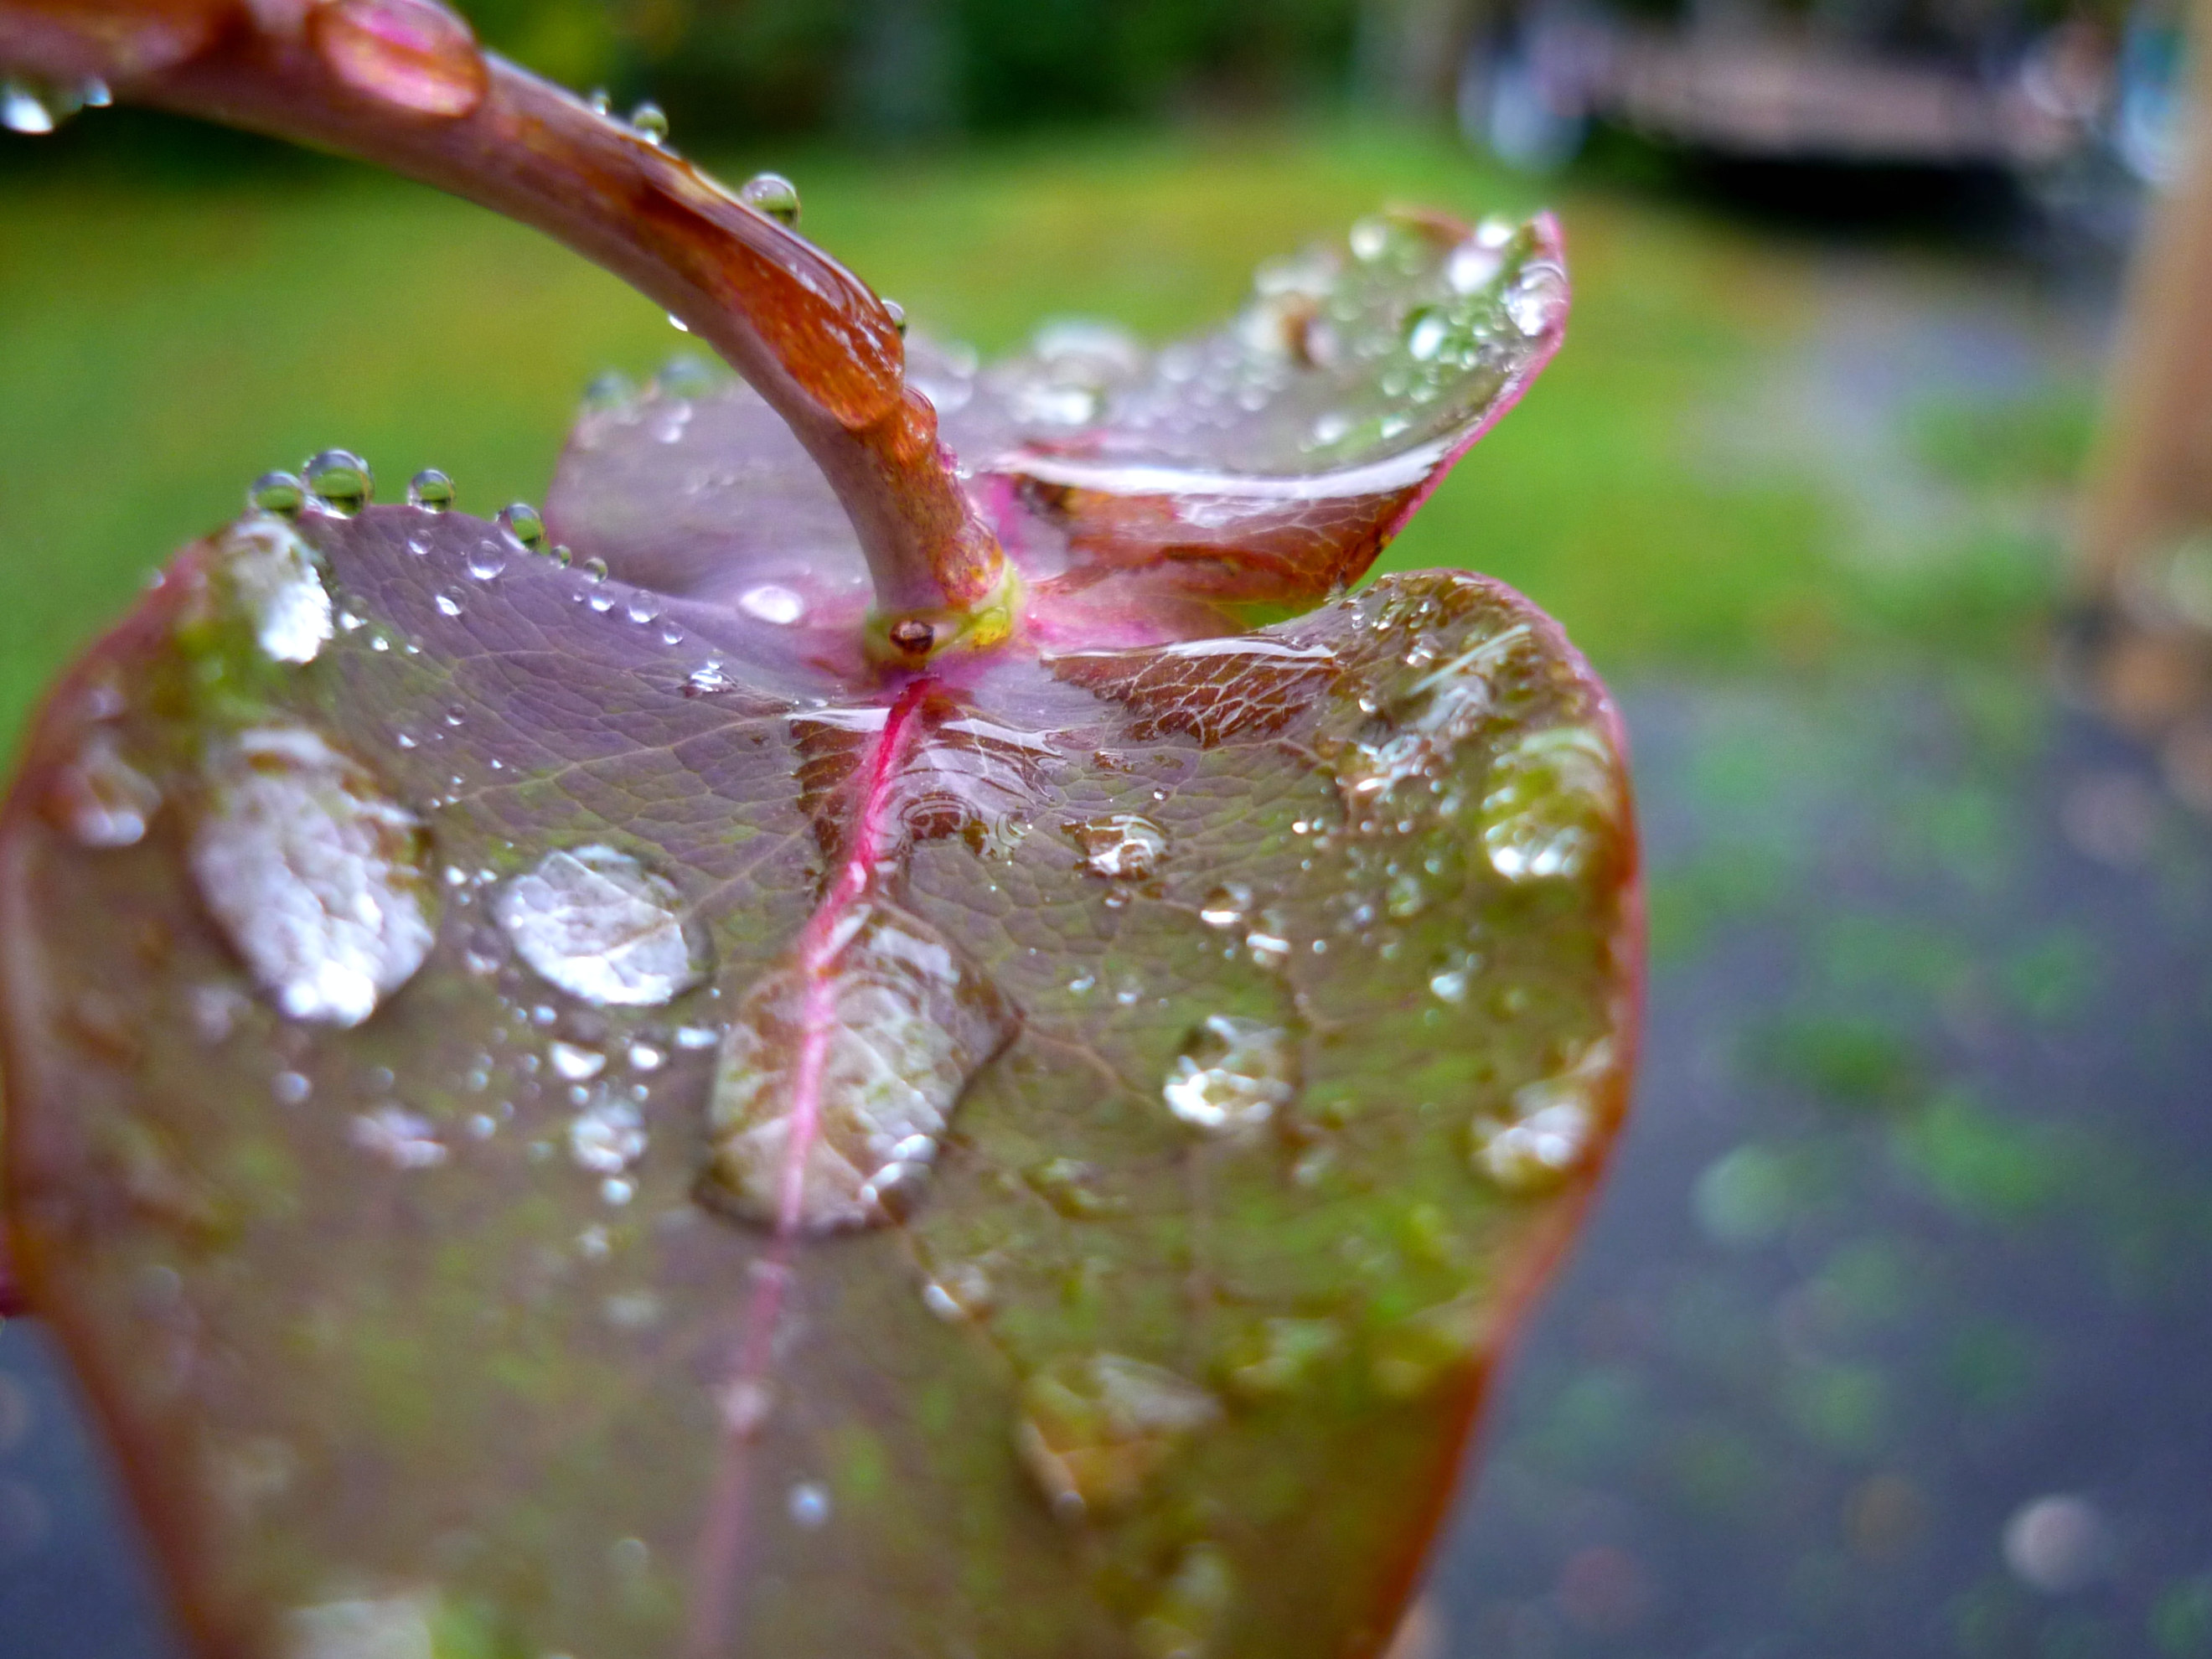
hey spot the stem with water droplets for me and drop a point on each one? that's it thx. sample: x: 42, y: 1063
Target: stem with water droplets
x: 402, y: 84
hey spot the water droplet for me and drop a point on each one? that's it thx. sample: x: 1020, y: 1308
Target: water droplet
x: 707, y: 679
x: 279, y: 493
x: 1472, y: 266
x: 1190, y: 1606
x: 960, y: 1293
x: 1122, y: 845
x: 1095, y: 1431
x: 522, y: 522
x: 1552, y: 805
x: 770, y: 602
x: 339, y: 482
x: 431, y: 490
x: 1406, y: 896
x: 898, y: 1024
x: 291, y: 1088
x: 386, y: 1627
x: 402, y: 1139
x: 607, y: 1137
x: 1073, y: 1189
x: 102, y: 799
x: 645, y: 1057
x: 1233, y: 1073
x: 650, y: 122
x: 486, y: 560
x: 600, y: 926
x: 773, y: 194
x: 1226, y: 905
x: 448, y: 605
x: 642, y: 608
x: 1370, y: 238
x: 575, y: 1062
x: 809, y: 1504
x: 408, y: 53
x: 1280, y: 1356
x: 273, y: 575
x: 1538, y: 299
x: 1430, y: 329
x: 1553, y: 1123
x: 319, y: 881
x: 594, y: 569
x: 35, y: 106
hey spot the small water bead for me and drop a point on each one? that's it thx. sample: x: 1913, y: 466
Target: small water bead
x: 486, y: 561
x: 594, y: 569
x: 448, y: 605
x: 1280, y: 1357
x: 35, y: 106
x: 707, y: 679
x: 607, y: 1137
x: 1370, y: 238
x: 650, y: 122
x: 102, y: 799
x: 770, y: 602
x: 1226, y: 906
x: 642, y: 608
x: 1538, y: 299
x: 321, y: 881
x: 1429, y: 331
x: 430, y: 491
x: 960, y: 1293
x: 575, y: 1062
x: 409, y: 54
x: 646, y: 1057
x: 773, y: 194
x: 1269, y: 951
x: 278, y: 493
x: 524, y: 523
x: 291, y: 1088
x: 809, y: 1504
x: 1121, y: 846
x: 1554, y: 1123
x: 601, y: 927
x: 1233, y: 1074
x: 1095, y: 1431
x: 405, y: 1139
x: 339, y: 482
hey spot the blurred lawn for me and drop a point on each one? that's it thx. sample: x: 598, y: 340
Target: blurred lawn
x: 161, y: 342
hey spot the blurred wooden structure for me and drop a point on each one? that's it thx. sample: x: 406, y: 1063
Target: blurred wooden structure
x: 2145, y: 535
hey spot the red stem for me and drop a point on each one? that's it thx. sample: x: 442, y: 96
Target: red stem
x: 401, y: 83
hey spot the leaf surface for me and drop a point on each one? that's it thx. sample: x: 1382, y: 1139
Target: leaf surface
x: 572, y: 1113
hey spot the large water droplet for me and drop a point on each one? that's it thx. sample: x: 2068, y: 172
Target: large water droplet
x: 339, y: 481
x: 1552, y: 805
x: 279, y: 493
x: 102, y: 799
x: 1233, y: 1074
x: 1095, y: 1431
x: 273, y: 576
x: 1554, y: 1123
x: 771, y: 602
x: 1121, y: 846
x: 523, y: 522
x: 34, y: 107
x: 431, y: 490
x: 321, y: 881
x: 650, y: 122
x: 407, y: 53
x: 600, y: 926
x: 773, y: 194
x: 851, y: 1062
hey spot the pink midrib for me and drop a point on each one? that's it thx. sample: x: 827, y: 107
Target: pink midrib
x: 872, y: 844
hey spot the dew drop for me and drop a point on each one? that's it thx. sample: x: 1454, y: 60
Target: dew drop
x: 707, y: 679
x: 575, y: 1062
x: 1121, y: 846
x: 1425, y: 338
x: 29, y: 109
x: 594, y: 569
x: 319, y: 881
x: 523, y: 522
x: 1553, y: 1123
x: 650, y: 122
x: 600, y: 926
x: 447, y: 605
x: 486, y: 560
x: 773, y: 194
x: 339, y: 482
x: 1537, y: 298
x: 102, y: 799
x: 431, y: 490
x: 405, y: 1139
x: 273, y: 575
x: 1233, y: 1074
x: 607, y: 1137
x: 771, y: 603
x: 407, y: 53
x: 1552, y: 805
x: 897, y: 1023
x: 278, y: 493
x: 1270, y: 952
x: 960, y: 1293
x: 1226, y: 905
x: 291, y: 1088
x: 1094, y: 1432
x: 809, y: 1504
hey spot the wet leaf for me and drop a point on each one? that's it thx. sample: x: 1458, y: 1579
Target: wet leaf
x: 561, y: 1108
